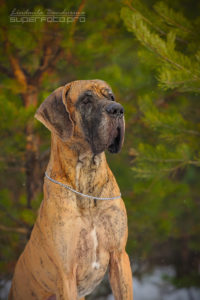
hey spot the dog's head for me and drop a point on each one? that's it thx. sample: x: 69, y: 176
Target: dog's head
x: 85, y: 110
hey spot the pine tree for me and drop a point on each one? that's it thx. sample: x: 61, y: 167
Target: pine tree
x: 167, y: 158
x: 173, y: 39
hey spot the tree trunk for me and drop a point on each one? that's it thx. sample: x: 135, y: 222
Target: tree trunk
x: 32, y: 162
x: 32, y: 165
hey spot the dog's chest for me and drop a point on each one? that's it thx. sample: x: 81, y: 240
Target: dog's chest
x: 104, y: 230
x: 94, y: 246
x: 92, y: 261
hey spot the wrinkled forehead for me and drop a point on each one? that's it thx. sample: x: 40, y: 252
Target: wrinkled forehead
x: 80, y: 86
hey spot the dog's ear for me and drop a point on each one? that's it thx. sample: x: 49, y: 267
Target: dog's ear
x: 54, y: 114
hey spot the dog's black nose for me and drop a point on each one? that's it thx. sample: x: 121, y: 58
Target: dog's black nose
x: 115, y: 109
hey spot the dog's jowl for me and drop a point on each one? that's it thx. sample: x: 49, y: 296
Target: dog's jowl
x: 81, y: 228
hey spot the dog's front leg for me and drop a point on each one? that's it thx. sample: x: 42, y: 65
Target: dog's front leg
x: 120, y: 276
x: 66, y: 287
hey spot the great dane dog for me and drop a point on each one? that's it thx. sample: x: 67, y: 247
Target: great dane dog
x: 81, y: 228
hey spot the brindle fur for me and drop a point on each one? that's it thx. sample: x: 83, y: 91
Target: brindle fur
x: 75, y: 239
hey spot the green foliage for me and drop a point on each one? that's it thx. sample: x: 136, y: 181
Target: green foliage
x: 165, y: 156
x: 176, y: 69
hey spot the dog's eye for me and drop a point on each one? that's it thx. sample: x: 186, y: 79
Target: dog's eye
x: 88, y: 93
x: 112, y: 98
x: 87, y: 97
x: 86, y: 100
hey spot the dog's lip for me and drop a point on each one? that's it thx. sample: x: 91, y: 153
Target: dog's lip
x: 114, y: 147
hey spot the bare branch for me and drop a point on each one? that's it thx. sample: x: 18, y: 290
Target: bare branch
x: 49, y: 59
x: 80, y: 9
x: 47, y: 63
x: 14, y: 62
x: 47, y: 54
x: 73, y: 28
x: 14, y: 229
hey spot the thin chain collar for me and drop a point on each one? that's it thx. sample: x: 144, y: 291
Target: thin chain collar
x: 78, y: 193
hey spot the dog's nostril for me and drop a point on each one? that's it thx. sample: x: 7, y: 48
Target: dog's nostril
x: 115, y: 109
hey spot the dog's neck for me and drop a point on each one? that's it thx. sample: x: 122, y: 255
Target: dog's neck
x: 77, y: 166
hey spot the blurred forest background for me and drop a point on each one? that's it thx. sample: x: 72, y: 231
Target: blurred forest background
x: 149, y: 52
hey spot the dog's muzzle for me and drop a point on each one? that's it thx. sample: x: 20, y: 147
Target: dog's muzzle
x: 115, y: 109
x: 116, y: 112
